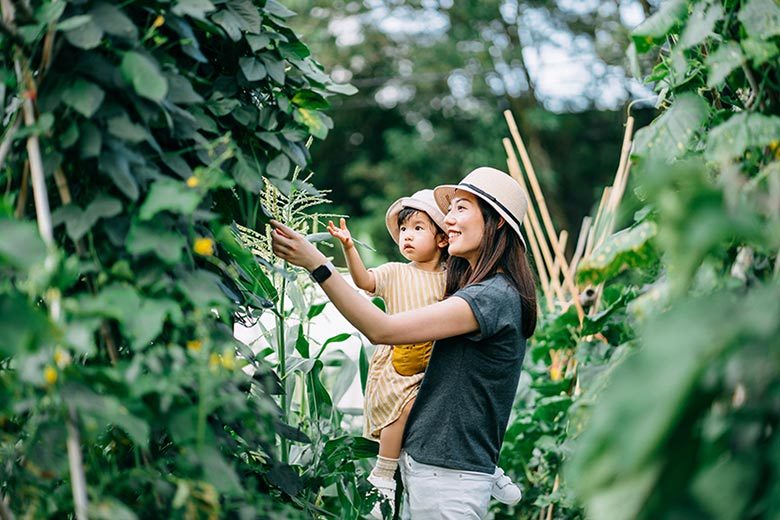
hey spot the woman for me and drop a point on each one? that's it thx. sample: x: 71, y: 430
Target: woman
x: 457, y: 424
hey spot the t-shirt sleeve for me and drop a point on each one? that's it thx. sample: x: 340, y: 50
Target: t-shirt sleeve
x: 382, y: 276
x: 489, y: 304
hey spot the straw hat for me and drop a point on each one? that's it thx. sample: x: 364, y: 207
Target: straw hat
x: 495, y: 187
x: 422, y: 200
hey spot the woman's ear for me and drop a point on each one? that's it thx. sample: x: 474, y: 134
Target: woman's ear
x: 501, y: 222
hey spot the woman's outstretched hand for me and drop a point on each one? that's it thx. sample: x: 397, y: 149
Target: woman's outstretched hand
x: 290, y: 245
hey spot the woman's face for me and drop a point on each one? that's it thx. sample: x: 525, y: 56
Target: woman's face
x: 465, y: 226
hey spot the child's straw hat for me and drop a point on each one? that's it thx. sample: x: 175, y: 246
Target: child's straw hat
x: 422, y: 200
x: 495, y: 187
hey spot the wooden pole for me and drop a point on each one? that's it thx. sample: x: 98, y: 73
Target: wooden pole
x: 537, y: 190
x: 582, y: 238
x: 562, y: 239
x: 539, y: 262
x: 515, y: 172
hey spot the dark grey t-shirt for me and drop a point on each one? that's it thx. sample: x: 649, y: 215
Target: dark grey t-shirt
x: 460, y: 416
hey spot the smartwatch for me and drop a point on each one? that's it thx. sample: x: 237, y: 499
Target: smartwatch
x: 322, y: 273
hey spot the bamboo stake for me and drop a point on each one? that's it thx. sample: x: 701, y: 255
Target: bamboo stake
x: 539, y: 263
x: 43, y: 218
x: 556, y: 483
x: 594, y: 237
x: 514, y: 171
x: 553, y: 237
x: 562, y: 239
x: 580, y: 249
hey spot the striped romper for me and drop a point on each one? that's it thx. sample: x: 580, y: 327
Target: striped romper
x: 403, y: 287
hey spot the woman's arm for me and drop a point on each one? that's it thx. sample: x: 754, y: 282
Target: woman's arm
x: 362, y: 277
x: 451, y: 317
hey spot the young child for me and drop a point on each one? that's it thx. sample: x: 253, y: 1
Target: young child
x: 417, y: 225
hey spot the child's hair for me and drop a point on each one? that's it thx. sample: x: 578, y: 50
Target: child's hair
x: 407, y: 213
x: 501, y: 249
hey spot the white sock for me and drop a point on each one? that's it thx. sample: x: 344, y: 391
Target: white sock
x: 385, y: 468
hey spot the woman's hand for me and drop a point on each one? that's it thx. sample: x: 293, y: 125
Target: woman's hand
x: 341, y: 233
x: 290, y: 245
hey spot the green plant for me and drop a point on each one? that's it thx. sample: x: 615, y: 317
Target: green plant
x: 122, y: 388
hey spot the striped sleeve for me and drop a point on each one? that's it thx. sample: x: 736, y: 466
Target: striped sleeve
x: 383, y: 276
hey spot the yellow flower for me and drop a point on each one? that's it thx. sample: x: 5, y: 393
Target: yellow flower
x: 158, y: 22
x: 194, y: 345
x: 192, y: 182
x: 50, y: 375
x: 214, y: 361
x: 204, y: 246
x: 555, y: 373
x: 229, y: 358
x: 61, y: 357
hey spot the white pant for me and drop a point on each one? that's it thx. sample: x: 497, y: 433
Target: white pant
x: 436, y: 493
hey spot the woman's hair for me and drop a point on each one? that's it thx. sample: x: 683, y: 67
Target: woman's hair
x: 502, y: 251
x: 438, y: 233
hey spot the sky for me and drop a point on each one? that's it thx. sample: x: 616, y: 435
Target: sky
x: 563, y: 68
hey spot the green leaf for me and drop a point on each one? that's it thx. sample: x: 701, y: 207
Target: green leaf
x: 194, y: 8
x: 279, y: 167
x: 144, y: 75
x: 625, y: 249
x: 258, y: 41
x: 742, y: 131
x: 83, y: 97
x: 761, y: 18
x: 202, y: 289
x: 169, y: 195
x: 338, y: 338
x: 49, y: 12
x: 113, y: 21
x: 314, y: 121
x: 247, y: 175
x: 341, y: 88
x: 721, y: 62
x: 309, y: 99
x: 74, y: 22
x: 21, y: 245
x: 118, y: 169
x: 218, y: 472
x: 86, y: 35
x: 252, y: 68
x: 23, y: 328
x: 121, y: 127
x: 315, y: 310
x: 247, y: 14
x: 759, y: 51
x: 275, y: 8
x: 363, y: 365
x: 146, y: 324
x: 656, y: 27
x: 301, y: 343
x: 90, y: 140
x: 180, y: 90
x: 229, y: 22
x: 143, y: 239
x: 105, y: 410
x: 78, y: 222
x: 668, y: 137
x: 700, y: 24
x: 275, y: 68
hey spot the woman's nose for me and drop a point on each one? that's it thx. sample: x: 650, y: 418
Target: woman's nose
x: 449, y: 218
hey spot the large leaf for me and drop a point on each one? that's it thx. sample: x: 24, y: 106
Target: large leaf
x: 195, y: 8
x: 78, y: 222
x: 700, y: 24
x: 656, y: 27
x: 741, y: 132
x: 86, y: 35
x: 720, y: 63
x: 761, y: 18
x: 84, y: 97
x: 112, y: 20
x: 144, y: 75
x: 669, y: 136
x: 21, y: 244
x: 759, y: 51
x: 202, y: 289
x: 166, y: 245
x: 253, y: 69
x: 169, y: 195
x: 625, y: 249
x: 23, y: 327
x: 247, y: 14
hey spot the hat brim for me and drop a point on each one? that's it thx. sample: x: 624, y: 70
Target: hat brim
x: 391, y: 217
x: 445, y: 193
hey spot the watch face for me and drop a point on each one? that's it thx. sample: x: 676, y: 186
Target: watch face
x: 321, y: 273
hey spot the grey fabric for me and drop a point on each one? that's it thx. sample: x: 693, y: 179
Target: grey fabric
x: 460, y: 416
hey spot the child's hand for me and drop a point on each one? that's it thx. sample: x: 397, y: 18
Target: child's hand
x: 341, y: 233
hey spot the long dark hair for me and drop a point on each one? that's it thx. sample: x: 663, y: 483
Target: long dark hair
x: 502, y: 251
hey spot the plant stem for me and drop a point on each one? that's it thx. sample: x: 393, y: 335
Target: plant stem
x: 282, y: 354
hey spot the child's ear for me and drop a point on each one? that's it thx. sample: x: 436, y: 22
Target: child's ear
x: 443, y: 241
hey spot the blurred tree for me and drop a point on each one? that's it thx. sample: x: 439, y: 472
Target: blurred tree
x: 434, y: 78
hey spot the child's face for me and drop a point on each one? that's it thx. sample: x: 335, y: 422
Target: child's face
x: 417, y: 240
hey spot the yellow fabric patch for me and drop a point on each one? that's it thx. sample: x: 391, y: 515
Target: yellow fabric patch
x: 409, y: 360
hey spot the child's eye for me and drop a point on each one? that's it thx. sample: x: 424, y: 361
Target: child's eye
x: 418, y: 228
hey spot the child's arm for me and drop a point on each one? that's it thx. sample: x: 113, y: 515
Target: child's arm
x: 362, y: 277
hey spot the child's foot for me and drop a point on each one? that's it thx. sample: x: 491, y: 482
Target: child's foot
x: 504, y: 490
x: 386, y: 487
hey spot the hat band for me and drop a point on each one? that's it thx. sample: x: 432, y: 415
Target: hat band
x: 492, y: 199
